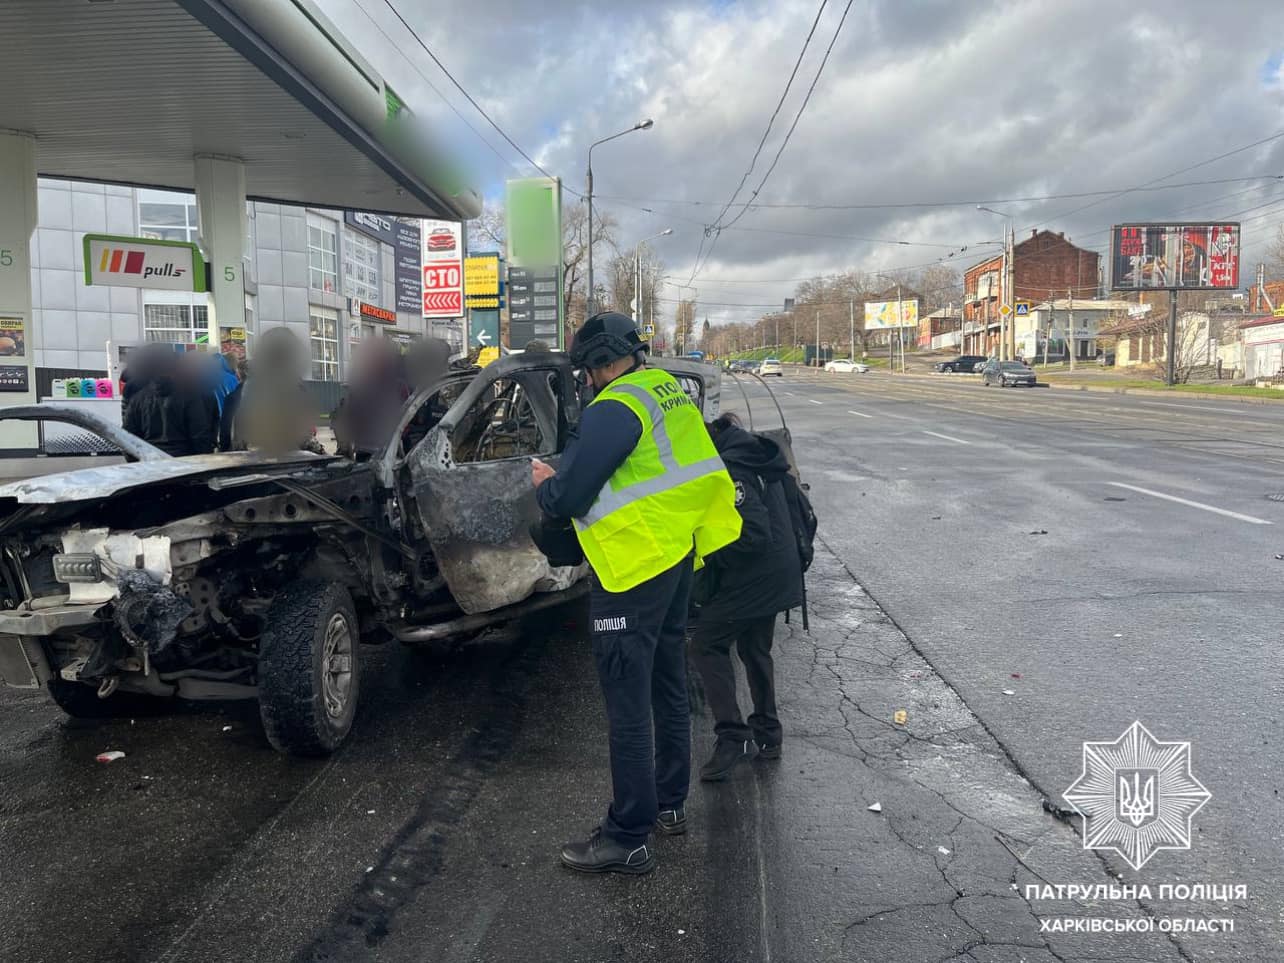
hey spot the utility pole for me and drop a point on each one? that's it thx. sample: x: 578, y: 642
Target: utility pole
x: 900, y: 324
x: 1003, y: 299
x: 851, y: 315
x: 817, y: 351
x: 1070, y: 328
x: 1048, y: 336
x: 1012, y: 290
x: 1172, y: 336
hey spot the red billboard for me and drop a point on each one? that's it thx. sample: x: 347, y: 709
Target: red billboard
x: 1187, y: 257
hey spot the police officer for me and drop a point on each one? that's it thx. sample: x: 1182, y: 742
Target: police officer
x: 648, y: 495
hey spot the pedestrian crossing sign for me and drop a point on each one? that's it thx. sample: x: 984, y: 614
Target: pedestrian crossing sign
x: 648, y: 330
x: 1023, y: 309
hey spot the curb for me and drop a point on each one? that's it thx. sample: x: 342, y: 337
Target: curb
x: 1160, y: 393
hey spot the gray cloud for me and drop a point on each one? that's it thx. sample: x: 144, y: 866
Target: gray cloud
x: 921, y: 102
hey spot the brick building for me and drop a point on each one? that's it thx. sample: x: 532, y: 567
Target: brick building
x: 1045, y: 265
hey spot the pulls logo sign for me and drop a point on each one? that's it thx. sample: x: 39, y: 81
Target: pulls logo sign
x: 120, y: 260
x: 132, y: 262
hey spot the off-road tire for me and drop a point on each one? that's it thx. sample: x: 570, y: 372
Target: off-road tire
x: 80, y: 701
x: 291, y: 654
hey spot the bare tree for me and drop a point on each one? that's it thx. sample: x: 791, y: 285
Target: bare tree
x: 487, y: 230
x: 940, y: 285
x: 575, y: 253
x: 621, y: 279
x: 1275, y: 256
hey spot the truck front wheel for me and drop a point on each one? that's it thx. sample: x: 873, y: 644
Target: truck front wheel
x: 308, y: 669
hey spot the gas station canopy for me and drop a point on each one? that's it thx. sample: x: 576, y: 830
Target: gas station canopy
x: 129, y: 91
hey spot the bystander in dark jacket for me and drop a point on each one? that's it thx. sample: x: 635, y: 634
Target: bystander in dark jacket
x: 741, y: 590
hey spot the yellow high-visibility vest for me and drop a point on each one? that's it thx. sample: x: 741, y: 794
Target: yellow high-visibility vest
x: 671, y: 496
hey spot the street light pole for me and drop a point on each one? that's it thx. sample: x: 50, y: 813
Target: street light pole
x: 1006, y: 324
x: 637, y: 264
x: 590, y: 296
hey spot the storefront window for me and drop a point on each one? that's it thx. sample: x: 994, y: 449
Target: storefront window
x: 361, y: 267
x: 323, y: 255
x: 166, y: 216
x: 324, y: 342
x: 175, y: 323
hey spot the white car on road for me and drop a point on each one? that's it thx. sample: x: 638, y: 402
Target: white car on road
x: 771, y: 366
x: 846, y: 366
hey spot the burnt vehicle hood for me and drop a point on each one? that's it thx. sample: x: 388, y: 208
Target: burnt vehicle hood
x: 93, y: 484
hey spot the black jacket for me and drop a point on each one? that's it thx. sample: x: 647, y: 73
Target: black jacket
x: 175, y: 419
x: 760, y: 573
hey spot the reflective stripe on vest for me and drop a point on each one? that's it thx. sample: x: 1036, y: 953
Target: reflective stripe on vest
x: 610, y: 499
x: 655, y: 510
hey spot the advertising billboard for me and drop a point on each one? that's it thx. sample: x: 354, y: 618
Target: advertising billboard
x: 1189, y: 257
x: 882, y: 314
x: 403, y: 238
x: 443, y: 269
x: 534, y: 216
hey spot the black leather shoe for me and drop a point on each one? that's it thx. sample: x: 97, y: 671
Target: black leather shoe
x: 726, y: 756
x: 769, y: 750
x: 672, y: 822
x: 600, y: 854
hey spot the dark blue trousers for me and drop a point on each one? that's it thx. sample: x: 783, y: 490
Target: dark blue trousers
x: 639, y: 645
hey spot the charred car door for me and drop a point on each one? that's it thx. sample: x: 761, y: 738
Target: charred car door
x: 470, y: 480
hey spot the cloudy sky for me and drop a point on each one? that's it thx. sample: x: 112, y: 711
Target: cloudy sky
x: 924, y: 108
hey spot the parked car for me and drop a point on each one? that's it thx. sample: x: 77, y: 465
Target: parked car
x: 979, y: 366
x: 1007, y: 374
x: 1105, y: 358
x: 743, y: 364
x: 846, y: 366
x: 963, y: 364
x: 247, y: 576
x: 771, y: 366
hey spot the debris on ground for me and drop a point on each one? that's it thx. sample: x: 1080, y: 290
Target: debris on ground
x: 942, y: 850
x: 1040, y: 531
x: 875, y: 808
x: 1009, y: 692
x: 1279, y: 558
x: 227, y: 728
x: 110, y: 756
x: 900, y: 716
x: 1119, y: 635
x: 1016, y: 675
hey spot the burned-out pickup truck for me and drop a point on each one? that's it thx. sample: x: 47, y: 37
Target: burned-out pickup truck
x: 245, y: 576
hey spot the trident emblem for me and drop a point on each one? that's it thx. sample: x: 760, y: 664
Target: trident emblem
x: 1137, y: 798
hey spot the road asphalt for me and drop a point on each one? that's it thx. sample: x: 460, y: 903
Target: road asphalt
x: 433, y: 833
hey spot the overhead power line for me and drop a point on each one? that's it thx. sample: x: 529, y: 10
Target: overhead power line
x: 1115, y: 191
x: 717, y: 227
x: 798, y: 116
x: 774, y: 114
x: 1177, y: 173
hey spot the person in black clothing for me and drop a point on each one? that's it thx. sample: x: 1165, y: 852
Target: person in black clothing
x: 172, y: 410
x: 741, y: 589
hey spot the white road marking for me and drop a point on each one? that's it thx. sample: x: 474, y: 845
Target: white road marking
x: 1167, y: 404
x: 1200, y: 505
x: 958, y: 441
x: 859, y: 414
x: 815, y: 402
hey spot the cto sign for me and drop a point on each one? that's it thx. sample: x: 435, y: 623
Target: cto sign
x: 137, y: 262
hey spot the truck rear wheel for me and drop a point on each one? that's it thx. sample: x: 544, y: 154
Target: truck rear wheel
x: 308, y: 669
